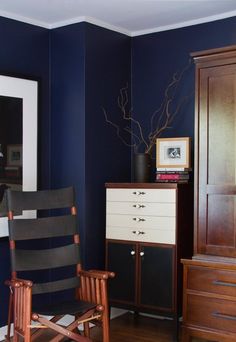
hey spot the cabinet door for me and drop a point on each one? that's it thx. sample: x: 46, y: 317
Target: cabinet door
x: 121, y: 259
x: 156, y: 276
x: 216, y: 224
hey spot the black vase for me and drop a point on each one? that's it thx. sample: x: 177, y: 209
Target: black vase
x: 142, y: 168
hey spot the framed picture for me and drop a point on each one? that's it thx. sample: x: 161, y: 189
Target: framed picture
x: 14, y: 155
x: 173, y: 153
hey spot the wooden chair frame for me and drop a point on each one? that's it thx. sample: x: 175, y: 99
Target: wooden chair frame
x: 93, y: 289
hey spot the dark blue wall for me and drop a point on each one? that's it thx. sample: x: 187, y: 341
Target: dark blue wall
x: 25, y: 52
x: 89, y: 65
x: 156, y: 57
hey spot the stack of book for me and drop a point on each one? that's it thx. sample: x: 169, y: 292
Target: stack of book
x: 171, y: 175
x: 13, y: 171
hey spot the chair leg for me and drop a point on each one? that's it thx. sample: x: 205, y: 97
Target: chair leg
x: 106, y: 328
x: 86, y: 329
x: 9, y: 319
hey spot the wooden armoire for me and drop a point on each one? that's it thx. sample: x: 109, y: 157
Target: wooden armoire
x: 209, y: 296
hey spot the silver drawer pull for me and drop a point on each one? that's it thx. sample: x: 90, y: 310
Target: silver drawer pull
x: 138, y: 193
x: 132, y: 252
x: 223, y: 283
x: 224, y: 316
x: 138, y: 219
x: 141, y: 254
x: 138, y: 232
x: 139, y: 206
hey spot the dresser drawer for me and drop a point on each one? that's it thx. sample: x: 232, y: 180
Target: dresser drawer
x: 143, y: 235
x: 211, y: 313
x: 142, y: 195
x: 141, y: 221
x: 139, y: 208
x: 212, y: 280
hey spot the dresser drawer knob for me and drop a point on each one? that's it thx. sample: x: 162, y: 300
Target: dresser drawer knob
x: 139, y: 206
x: 224, y: 316
x: 223, y: 283
x: 138, y: 219
x: 132, y: 252
x: 141, y: 254
x: 138, y: 193
x: 138, y: 232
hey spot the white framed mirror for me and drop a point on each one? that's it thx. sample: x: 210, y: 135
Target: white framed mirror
x: 18, y: 138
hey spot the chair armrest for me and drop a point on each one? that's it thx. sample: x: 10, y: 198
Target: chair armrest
x: 107, y: 273
x: 18, y: 283
x: 97, y: 274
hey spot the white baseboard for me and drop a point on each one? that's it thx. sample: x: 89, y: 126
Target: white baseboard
x: 115, y: 312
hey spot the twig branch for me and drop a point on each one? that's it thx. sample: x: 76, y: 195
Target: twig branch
x: 163, y: 116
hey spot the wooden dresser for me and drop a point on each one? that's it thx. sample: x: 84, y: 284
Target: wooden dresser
x: 149, y: 228
x: 210, y: 277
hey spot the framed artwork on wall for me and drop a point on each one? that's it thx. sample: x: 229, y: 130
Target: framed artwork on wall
x: 14, y: 155
x: 173, y: 152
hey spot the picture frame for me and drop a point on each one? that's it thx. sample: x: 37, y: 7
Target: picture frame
x: 14, y: 155
x: 173, y: 153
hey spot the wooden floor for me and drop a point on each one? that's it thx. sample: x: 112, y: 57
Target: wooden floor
x: 135, y: 328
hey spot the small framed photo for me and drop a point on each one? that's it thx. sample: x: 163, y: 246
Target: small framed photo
x: 14, y: 155
x: 173, y: 153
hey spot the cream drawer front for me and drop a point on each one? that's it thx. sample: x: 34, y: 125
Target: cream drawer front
x: 142, y: 195
x: 137, y: 209
x: 141, y: 221
x: 143, y: 235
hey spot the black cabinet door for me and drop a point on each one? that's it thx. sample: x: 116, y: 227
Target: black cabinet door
x: 121, y: 259
x: 156, y: 276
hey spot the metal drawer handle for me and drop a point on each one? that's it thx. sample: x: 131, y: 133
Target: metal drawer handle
x: 224, y: 316
x: 139, y: 206
x: 138, y: 232
x: 223, y: 283
x: 138, y: 193
x: 139, y: 219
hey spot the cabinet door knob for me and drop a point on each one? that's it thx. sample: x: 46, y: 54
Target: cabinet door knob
x: 138, y: 219
x: 138, y: 232
x: 132, y: 252
x: 139, y: 206
x: 139, y: 193
x: 141, y: 254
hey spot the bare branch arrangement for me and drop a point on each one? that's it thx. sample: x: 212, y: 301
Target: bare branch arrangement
x: 161, y: 118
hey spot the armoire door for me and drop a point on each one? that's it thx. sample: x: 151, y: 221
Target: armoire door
x: 215, y: 202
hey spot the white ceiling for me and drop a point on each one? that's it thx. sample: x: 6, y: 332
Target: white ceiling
x: 132, y: 17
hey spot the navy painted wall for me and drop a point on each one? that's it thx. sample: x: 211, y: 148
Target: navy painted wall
x: 156, y: 57
x: 89, y: 64
x: 107, y: 158
x: 25, y: 51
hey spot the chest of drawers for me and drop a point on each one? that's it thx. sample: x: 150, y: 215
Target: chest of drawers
x: 148, y: 229
x: 209, y: 301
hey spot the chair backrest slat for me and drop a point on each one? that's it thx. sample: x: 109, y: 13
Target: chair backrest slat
x: 26, y: 260
x: 58, y: 285
x: 46, y: 199
x: 26, y: 229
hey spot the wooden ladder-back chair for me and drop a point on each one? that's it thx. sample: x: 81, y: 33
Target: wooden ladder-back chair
x: 58, y: 233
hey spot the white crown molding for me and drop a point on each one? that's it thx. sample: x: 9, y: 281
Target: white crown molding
x: 184, y: 24
x: 116, y: 28
x: 24, y: 19
x: 90, y: 20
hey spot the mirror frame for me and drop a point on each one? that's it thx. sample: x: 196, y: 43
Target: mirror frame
x: 27, y: 90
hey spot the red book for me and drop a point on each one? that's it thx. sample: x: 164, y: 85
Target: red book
x: 171, y: 176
